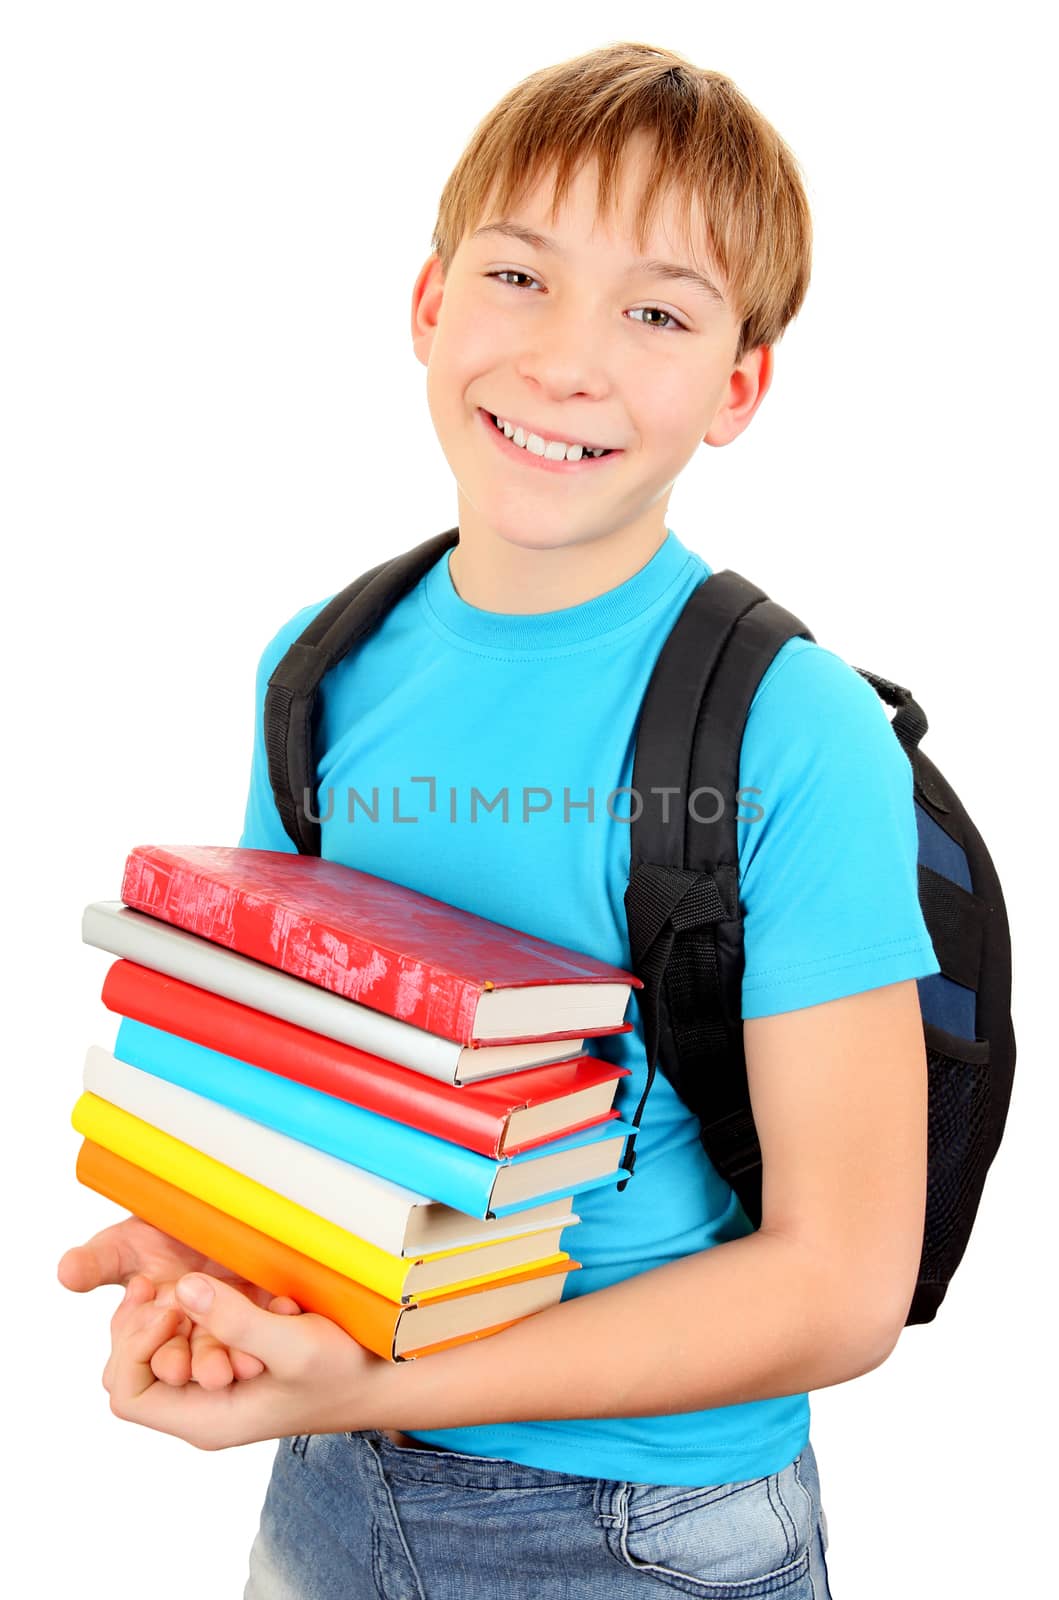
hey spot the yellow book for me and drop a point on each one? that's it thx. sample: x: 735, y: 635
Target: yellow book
x: 395, y: 1277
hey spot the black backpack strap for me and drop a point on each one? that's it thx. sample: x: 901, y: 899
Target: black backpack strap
x: 291, y: 694
x: 682, y: 901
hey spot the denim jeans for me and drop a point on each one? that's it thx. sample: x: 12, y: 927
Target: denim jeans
x: 353, y: 1516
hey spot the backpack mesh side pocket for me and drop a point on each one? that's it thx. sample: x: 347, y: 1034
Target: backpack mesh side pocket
x: 957, y: 1147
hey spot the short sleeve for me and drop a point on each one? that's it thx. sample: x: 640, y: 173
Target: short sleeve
x: 829, y: 872
x: 262, y: 826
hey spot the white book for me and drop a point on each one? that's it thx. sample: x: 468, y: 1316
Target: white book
x: 395, y: 1219
x: 110, y: 925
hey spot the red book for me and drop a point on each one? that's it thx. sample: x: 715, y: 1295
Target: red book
x: 496, y: 1117
x: 386, y: 946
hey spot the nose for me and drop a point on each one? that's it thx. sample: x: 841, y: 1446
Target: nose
x: 565, y: 354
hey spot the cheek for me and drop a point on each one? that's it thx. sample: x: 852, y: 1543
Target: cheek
x: 464, y: 352
x: 476, y: 328
x: 682, y: 403
x: 670, y: 420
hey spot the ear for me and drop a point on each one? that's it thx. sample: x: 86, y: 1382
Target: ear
x: 748, y: 384
x: 426, y: 305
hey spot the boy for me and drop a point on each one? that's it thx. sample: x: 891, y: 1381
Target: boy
x: 653, y: 1428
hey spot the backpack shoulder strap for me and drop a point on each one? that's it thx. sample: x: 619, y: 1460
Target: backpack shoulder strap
x: 348, y: 618
x: 682, y: 900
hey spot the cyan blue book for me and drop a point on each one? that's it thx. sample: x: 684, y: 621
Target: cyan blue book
x: 448, y: 1172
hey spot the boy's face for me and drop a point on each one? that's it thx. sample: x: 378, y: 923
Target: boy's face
x: 579, y: 343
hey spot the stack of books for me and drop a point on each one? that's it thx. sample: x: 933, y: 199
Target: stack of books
x: 349, y: 1092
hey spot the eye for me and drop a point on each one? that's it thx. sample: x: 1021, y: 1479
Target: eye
x: 668, y: 327
x: 511, y: 272
x: 671, y: 327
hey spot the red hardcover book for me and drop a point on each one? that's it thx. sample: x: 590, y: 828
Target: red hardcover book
x: 496, y: 1117
x: 386, y: 946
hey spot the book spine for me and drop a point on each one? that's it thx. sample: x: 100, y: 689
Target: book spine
x: 365, y: 1316
x: 457, y: 1177
x: 141, y: 938
x: 181, y: 1155
x: 411, y: 989
x: 352, y: 1199
x: 233, y: 1192
x: 268, y: 1042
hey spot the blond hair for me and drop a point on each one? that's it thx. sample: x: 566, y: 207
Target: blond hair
x: 712, y: 146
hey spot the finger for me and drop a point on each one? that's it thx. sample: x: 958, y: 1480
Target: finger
x: 175, y: 1362
x: 233, y: 1320
x: 99, y: 1260
x: 130, y: 1362
x: 210, y: 1366
x: 141, y: 1298
x: 138, y: 1291
x: 182, y: 1359
x: 171, y: 1362
x: 245, y: 1365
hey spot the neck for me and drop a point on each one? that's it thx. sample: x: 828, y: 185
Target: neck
x: 494, y: 575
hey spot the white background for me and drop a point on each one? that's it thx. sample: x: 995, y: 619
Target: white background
x: 212, y: 415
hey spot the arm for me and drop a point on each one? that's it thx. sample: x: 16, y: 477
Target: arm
x: 815, y: 1297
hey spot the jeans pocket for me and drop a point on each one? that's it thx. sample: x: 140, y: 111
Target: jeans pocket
x: 411, y: 1456
x: 731, y: 1540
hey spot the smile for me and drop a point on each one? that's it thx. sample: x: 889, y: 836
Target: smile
x: 531, y: 454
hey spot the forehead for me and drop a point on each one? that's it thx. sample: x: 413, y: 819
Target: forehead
x: 644, y: 213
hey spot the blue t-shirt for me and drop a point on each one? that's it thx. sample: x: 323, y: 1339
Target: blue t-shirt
x: 446, y: 710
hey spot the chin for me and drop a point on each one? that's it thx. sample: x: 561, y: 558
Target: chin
x: 536, y: 538
x: 532, y: 536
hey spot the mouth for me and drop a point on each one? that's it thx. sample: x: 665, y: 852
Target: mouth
x: 542, y: 463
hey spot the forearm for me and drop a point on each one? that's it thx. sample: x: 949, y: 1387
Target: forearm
x: 747, y: 1320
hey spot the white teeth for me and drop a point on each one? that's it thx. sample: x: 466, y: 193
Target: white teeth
x: 551, y: 449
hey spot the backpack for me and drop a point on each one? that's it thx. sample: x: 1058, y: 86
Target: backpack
x: 682, y: 900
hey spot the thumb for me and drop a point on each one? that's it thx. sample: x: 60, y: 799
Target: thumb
x: 231, y: 1317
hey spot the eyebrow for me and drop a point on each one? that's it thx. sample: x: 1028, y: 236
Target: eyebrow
x: 672, y: 270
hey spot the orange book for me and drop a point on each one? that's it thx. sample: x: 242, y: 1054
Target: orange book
x: 394, y: 1332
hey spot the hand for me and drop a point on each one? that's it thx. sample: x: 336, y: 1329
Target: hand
x: 149, y: 1262
x: 314, y: 1378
